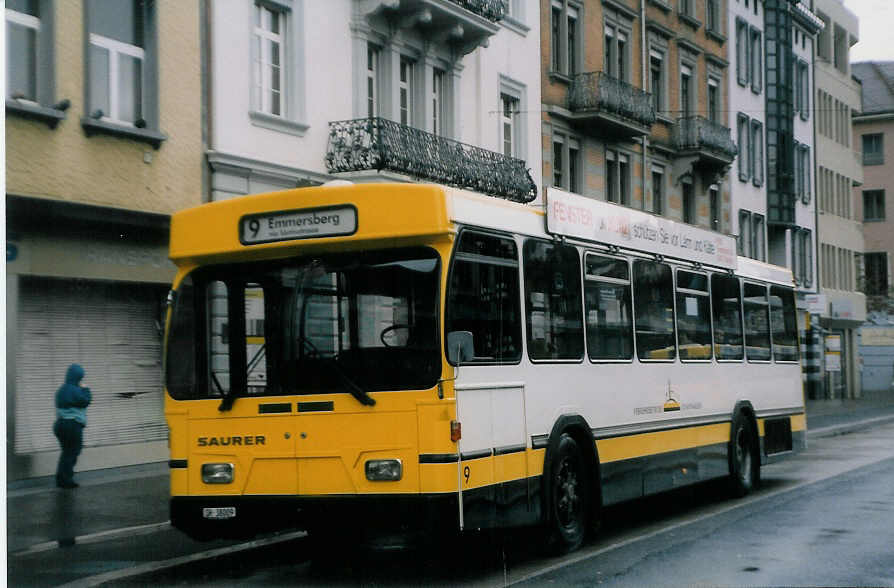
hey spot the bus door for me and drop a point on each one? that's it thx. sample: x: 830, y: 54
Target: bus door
x: 483, y: 319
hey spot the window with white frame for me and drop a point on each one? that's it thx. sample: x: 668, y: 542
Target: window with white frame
x: 406, y: 91
x: 756, y: 149
x: 804, y: 89
x: 617, y: 48
x: 745, y: 154
x: 755, y: 60
x: 437, y: 101
x: 617, y: 177
x: 745, y: 233
x: 117, y: 59
x: 758, y: 237
x: 805, y: 166
x: 268, y: 72
x: 23, y: 31
x: 743, y: 63
x: 714, y: 206
x: 712, y: 16
x: 799, y: 170
x: 372, y: 81
x: 509, y: 124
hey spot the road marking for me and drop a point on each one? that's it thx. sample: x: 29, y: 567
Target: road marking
x: 155, y: 566
x: 95, y: 537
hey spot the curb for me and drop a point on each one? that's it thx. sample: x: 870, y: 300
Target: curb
x: 846, y: 428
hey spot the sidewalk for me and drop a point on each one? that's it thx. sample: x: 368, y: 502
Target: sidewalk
x: 133, y: 500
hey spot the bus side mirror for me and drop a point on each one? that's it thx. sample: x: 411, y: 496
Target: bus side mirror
x: 460, y: 347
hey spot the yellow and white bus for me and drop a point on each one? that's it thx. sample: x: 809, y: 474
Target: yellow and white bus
x: 405, y: 357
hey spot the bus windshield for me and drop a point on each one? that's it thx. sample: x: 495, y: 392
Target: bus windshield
x: 357, y: 323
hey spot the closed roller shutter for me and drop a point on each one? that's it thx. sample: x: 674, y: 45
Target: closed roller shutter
x: 109, y: 328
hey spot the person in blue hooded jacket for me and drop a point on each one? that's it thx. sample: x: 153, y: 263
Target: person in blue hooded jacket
x: 72, y: 400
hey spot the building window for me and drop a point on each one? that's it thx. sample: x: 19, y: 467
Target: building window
x: 269, y: 68
x: 574, y: 165
x: 657, y: 189
x: 802, y: 89
x: 558, y: 162
x: 714, y: 204
x: 873, y: 205
x: 712, y: 19
x: 656, y: 73
x: 23, y: 35
x: 840, y: 49
x: 806, y: 168
x: 873, y: 149
x: 617, y: 177
x: 743, y: 53
x: 756, y: 145
x: 688, y: 202
x: 876, y: 269
x: 616, y: 49
x: 758, y: 238
x: 713, y: 100
x: 686, y: 90
x: 405, y: 91
x: 116, y: 61
x: 565, y: 32
x: 372, y: 81
x: 687, y: 8
x: 745, y: 233
x: 745, y: 153
x: 756, y: 60
x: 437, y: 102
x: 509, y: 125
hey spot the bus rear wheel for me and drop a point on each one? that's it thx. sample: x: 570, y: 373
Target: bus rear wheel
x: 744, y: 456
x: 568, y: 498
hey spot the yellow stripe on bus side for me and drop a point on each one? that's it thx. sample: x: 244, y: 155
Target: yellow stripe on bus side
x: 629, y: 447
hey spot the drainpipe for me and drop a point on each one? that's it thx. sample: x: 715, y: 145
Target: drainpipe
x: 642, y: 68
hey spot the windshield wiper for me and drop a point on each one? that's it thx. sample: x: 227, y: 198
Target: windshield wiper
x: 352, y: 387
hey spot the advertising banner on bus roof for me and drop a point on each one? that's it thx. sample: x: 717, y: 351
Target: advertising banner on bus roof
x: 576, y: 216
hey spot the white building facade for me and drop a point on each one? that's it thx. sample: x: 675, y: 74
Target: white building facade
x: 300, y: 92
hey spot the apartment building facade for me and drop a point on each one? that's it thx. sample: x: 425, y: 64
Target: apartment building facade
x: 633, y: 101
x: 839, y: 169
x: 103, y: 143
x: 873, y: 128
x: 301, y: 92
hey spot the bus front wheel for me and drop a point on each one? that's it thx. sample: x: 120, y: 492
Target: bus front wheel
x: 744, y: 456
x: 568, y: 497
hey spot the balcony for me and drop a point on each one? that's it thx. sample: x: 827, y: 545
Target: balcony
x: 381, y: 144
x: 602, y: 102
x: 709, y: 141
x: 465, y: 24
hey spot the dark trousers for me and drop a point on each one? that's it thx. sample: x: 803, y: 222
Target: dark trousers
x: 71, y: 437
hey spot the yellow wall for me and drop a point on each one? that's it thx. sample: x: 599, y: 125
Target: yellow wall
x: 64, y: 164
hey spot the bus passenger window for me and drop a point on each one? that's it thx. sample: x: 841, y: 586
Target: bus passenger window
x: 693, y: 315
x: 727, y: 304
x: 653, y: 300
x: 607, y: 296
x: 218, y: 338
x: 784, y: 324
x: 757, y: 323
x: 553, y: 301
x: 180, y: 375
x: 483, y: 296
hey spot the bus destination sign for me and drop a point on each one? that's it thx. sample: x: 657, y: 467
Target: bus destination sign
x: 287, y: 225
x: 576, y: 216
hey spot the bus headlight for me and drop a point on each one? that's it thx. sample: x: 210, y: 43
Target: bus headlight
x: 217, y: 473
x: 384, y: 470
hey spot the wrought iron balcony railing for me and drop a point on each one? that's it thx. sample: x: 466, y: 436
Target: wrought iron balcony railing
x: 596, y: 90
x: 382, y: 144
x: 492, y: 10
x: 699, y: 133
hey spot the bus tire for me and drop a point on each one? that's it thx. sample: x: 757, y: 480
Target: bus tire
x: 569, y: 498
x: 744, y: 456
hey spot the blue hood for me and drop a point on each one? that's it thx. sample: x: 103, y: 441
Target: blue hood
x: 74, y: 375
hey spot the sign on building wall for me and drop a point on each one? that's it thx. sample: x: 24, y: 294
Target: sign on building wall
x: 833, y: 353
x: 603, y: 222
x: 877, y: 336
